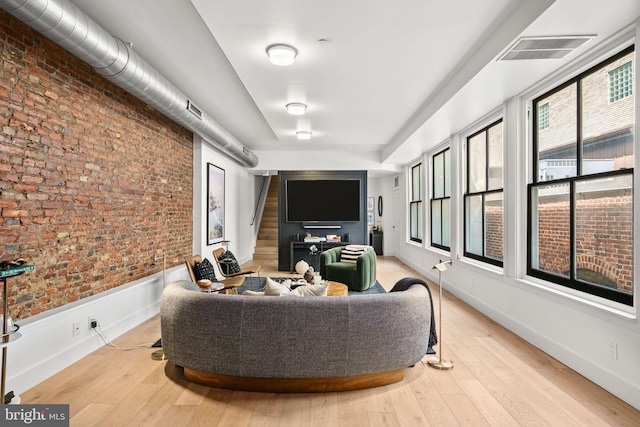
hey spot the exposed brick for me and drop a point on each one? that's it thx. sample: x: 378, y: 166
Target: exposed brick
x: 88, y: 177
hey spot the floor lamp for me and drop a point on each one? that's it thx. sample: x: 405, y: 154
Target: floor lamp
x: 439, y: 362
x: 159, y: 354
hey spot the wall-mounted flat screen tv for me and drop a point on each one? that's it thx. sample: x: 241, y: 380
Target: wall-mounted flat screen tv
x: 323, y: 200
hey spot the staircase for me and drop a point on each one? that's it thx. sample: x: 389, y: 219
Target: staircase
x: 266, y: 252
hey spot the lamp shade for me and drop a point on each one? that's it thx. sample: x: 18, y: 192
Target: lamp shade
x: 281, y: 54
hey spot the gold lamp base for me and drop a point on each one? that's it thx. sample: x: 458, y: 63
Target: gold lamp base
x: 441, y: 364
x: 158, y: 355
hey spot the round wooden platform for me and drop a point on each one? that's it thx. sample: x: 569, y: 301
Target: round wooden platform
x: 294, y: 385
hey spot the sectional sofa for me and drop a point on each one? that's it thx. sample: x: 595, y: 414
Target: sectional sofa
x: 294, y: 344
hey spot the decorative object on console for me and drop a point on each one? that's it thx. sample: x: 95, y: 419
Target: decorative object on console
x: 439, y: 362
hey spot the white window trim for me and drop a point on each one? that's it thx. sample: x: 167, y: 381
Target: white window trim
x: 617, y: 43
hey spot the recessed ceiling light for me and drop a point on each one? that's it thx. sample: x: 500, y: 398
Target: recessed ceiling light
x: 296, y: 108
x: 303, y: 134
x: 281, y: 54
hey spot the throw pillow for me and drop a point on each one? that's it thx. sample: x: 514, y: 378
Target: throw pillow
x: 204, y: 270
x: 310, y: 291
x: 229, y: 263
x: 350, y: 253
x: 275, y: 289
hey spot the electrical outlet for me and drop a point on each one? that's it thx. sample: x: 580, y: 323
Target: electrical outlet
x: 76, y: 329
x: 93, y: 322
x: 613, y: 350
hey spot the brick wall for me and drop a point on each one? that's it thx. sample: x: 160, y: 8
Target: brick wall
x: 95, y: 186
x: 604, y: 230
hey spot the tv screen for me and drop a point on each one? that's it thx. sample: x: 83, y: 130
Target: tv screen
x: 330, y: 200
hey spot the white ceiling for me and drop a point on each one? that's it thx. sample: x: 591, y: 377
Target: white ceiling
x: 393, y: 79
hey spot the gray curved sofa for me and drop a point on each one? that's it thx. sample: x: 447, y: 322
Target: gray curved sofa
x: 294, y: 343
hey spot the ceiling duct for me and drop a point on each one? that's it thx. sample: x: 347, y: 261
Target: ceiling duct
x: 551, y: 47
x: 65, y: 24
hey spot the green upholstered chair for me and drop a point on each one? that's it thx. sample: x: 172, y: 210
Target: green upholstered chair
x: 358, y: 276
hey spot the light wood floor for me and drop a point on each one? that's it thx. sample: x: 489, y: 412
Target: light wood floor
x: 498, y: 380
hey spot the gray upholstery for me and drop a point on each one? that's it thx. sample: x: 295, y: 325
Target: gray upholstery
x: 293, y: 337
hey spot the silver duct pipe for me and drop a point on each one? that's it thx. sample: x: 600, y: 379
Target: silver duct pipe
x: 65, y: 24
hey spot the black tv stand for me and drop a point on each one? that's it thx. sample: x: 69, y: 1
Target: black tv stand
x: 322, y: 246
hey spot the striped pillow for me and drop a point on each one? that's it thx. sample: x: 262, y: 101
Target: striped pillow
x: 350, y: 253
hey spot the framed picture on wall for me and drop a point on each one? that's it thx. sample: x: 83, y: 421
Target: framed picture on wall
x: 370, y: 219
x: 215, y: 204
x: 369, y: 203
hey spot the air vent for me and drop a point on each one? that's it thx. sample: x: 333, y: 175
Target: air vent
x: 553, y: 47
x: 245, y: 150
x: 194, y: 110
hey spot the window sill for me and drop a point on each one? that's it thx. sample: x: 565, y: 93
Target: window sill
x: 483, y: 267
x: 580, y: 298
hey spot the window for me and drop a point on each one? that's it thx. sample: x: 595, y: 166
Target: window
x: 581, y: 198
x: 441, y: 201
x: 483, y: 200
x: 620, y: 80
x: 415, y: 204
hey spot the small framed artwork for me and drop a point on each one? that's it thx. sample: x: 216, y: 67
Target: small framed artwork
x: 369, y: 203
x: 215, y: 204
x: 370, y: 219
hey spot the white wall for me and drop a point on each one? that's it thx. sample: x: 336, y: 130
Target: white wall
x: 240, y: 203
x: 575, y: 328
x: 48, y: 345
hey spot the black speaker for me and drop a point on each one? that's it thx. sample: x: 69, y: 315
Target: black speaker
x: 296, y: 237
x: 347, y: 238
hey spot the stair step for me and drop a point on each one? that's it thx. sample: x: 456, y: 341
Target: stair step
x: 266, y: 250
x: 269, y: 230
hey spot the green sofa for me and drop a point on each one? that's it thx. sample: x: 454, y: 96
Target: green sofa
x: 358, y: 276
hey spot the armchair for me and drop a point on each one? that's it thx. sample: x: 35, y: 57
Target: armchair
x: 358, y: 276
x: 218, y: 253
x: 229, y: 285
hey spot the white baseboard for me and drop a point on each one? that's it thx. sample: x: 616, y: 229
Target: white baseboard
x: 48, y: 344
x: 583, y: 363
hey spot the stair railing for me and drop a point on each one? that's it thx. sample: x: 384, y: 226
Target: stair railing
x: 262, y: 198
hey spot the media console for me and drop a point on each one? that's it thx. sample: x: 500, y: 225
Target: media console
x: 322, y: 246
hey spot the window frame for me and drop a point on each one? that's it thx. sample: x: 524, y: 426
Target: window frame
x: 573, y: 282
x: 440, y: 199
x: 417, y: 203
x: 484, y: 193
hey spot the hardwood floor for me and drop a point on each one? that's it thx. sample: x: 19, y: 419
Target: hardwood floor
x: 498, y: 380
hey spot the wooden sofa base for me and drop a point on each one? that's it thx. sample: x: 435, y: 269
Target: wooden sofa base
x: 294, y: 385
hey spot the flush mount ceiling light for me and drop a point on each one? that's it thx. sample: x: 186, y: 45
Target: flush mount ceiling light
x: 281, y: 54
x: 296, y: 108
x: 303, y: 134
